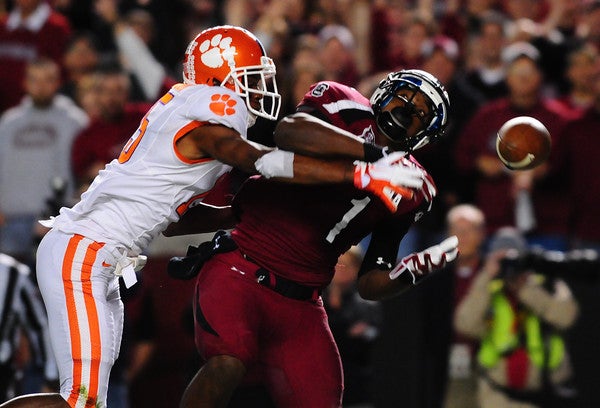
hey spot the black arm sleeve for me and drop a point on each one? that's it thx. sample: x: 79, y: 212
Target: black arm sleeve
x: 383, y: 247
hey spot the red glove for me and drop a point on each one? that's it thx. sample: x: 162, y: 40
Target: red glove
x: 389, y: 178
x: 420, y: 264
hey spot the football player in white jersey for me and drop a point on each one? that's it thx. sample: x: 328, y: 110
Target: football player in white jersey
x: 186, y: 141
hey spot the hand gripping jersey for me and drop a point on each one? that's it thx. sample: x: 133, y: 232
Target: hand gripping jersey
x: 299, y: 231
x: 150, y: 185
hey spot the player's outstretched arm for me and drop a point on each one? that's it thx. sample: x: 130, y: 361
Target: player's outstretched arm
x: 308, y: 135
x: 385, y: 178
x: 384, y: 280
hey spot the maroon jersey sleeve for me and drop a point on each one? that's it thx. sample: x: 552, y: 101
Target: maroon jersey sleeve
x: 341, y: 106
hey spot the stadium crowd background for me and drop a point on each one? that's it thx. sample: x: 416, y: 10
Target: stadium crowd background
x: 115, y: 58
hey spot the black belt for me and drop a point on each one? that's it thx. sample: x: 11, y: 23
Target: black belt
x: 283, y: 286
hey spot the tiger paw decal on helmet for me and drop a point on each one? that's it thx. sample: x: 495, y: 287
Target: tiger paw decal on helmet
x: 216, y: 51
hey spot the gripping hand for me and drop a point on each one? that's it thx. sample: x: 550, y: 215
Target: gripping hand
x: 420, y: 264
x: 390, y: 178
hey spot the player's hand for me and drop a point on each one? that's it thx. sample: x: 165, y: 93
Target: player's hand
x: 390, y: 178
x: 420, y: 264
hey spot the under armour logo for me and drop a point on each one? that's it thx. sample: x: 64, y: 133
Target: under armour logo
x: 380, y: 261
x: 260, y: 278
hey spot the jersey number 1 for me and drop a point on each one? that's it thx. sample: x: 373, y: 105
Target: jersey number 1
x: 357, y: 207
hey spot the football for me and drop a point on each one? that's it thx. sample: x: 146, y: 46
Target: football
x: 523, y: 143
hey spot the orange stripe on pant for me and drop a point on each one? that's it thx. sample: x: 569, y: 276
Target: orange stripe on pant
x: 91, y: 392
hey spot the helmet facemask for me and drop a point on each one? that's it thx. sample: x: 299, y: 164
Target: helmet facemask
x: 257, y: 85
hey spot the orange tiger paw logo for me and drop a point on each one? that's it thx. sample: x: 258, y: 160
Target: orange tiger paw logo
x: 222, y: 104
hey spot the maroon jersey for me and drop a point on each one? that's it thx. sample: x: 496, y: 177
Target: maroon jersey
x: 298, y: 232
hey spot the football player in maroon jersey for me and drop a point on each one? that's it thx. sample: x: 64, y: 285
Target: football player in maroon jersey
x: 258, y: 312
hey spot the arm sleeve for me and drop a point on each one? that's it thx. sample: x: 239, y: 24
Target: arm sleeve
x: 382, y: 251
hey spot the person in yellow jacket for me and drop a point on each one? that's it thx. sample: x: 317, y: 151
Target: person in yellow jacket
x: 519, y: 319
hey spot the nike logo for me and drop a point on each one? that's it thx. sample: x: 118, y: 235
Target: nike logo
x: 106, y: 265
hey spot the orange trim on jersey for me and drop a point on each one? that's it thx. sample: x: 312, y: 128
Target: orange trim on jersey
x: 182, y: 208
x: 72, y: 317
x: 94, y: 324
x: 166, y: 98
x: 182, y: 132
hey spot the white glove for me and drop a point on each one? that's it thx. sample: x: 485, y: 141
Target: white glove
x: 390, y: 178
x: 419, y: 264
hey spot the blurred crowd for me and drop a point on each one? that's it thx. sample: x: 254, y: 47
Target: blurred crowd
x: 77, y: 77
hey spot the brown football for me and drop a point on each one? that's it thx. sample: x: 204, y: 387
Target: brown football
x: 523, y: 143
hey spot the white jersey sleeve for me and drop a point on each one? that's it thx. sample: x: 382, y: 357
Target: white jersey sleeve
x: 218, y: 106
x: 151, y: 184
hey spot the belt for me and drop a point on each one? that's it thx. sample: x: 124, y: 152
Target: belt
x: 283, y: 286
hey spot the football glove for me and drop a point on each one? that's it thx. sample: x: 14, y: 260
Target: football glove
x: 389, y: 178
x: 420, y: 264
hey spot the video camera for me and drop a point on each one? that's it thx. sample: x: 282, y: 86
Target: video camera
x: 579, y: 264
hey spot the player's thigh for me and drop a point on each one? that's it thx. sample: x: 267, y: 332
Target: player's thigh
x: 226, y: 317
x: 304, y: 368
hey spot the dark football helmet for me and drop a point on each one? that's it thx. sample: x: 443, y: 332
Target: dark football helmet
x: 393, y: 124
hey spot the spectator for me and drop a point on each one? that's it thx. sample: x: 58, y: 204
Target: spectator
x: 133, y: 33
x: 467, y: 222
x: 355, y: 324
x: 414, y: 36
x: 485, y: 68
x: 582, y: 66
x: 441, y: 57
x: 337, y: 55
x: 588, y: 28
x: 498, y: 191
x: 31, y: 30
x: 577, y: 153
x: 35, y: 143
x: 81, y: 58
x: 518, y: 317
x: 22, y: 313
x: 102, y: 140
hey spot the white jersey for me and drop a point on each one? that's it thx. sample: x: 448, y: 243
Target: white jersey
x: 150, y: 185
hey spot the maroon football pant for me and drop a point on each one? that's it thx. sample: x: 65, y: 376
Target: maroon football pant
x: 284, y: 343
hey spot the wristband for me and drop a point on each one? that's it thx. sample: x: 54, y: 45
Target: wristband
x: 372, y: 152
x: 276, y: 163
